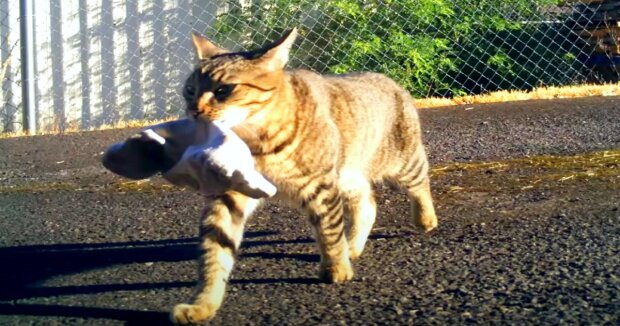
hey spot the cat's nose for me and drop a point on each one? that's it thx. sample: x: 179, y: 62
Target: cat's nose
x: 193, y: 108
x: 193, y: 112
x: 196, y: 113
x: 204, y: 101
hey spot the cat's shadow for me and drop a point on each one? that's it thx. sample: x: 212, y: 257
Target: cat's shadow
x: 26, y: 267
x: 130, y: 317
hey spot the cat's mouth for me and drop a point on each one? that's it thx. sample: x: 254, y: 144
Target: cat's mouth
x: 200, y: 115
x: 224, y: 123
x: 231, y: 118
x: 219, y: 121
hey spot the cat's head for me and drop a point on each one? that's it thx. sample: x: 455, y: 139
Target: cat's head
x: 230, y: 87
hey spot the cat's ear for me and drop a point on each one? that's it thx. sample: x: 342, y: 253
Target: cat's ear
x: 276, y: 55
x: 205, y: 49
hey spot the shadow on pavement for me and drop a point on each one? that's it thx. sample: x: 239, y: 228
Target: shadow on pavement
x: 28, y: 266
x: 131, y: 317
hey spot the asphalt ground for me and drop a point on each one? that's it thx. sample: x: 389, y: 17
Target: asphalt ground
x: 527, y: 194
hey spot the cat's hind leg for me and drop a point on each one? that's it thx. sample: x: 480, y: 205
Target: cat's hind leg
x: 221, y: 231
x: 362, y: 208
x: 422, y: 208
x: 415, y: 181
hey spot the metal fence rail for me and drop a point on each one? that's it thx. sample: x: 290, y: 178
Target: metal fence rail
x: 9, y: 70
x: 101, y: 62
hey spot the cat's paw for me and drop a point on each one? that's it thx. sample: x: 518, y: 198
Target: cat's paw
x: 337, y: 273
x: 188, y: 314
x: 426, y: 223
x: 354, y: 254
x: 356, y: 247
x: 355, y: 251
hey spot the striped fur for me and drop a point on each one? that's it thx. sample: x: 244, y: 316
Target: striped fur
x: 322, y: 140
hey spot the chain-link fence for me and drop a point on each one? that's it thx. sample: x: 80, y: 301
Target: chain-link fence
x: 101, y: 62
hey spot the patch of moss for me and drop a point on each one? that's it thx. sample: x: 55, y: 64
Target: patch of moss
x: 602, y: 161
x: 530, y: 172
x: 141, y: 186
x: 131, y: 186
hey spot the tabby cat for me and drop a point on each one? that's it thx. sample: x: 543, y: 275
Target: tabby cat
x: 322, y: 140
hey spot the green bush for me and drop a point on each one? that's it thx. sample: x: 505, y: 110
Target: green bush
x: 431, y: 47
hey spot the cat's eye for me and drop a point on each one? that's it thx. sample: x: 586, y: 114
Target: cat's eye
x: 223, y: 91
x: 190, y: 91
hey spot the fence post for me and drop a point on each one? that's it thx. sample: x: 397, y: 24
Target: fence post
x: 26, y: 34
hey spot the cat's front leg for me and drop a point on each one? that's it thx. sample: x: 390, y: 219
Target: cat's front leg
x: 327, y: 219
x: 221, y: 230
